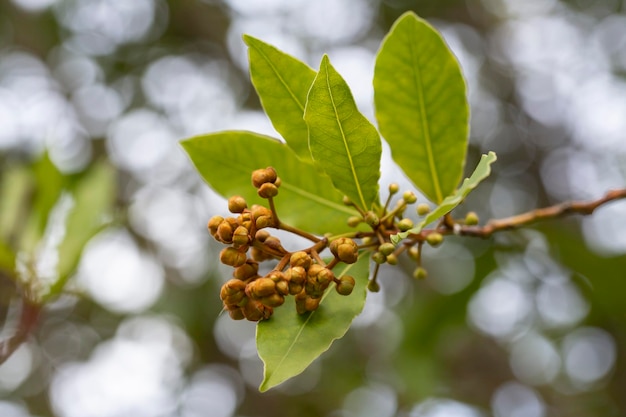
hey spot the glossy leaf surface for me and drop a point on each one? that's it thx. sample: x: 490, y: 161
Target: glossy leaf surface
x: 342, y: 141
x: 421, y: 106
x: 282, y: 83
x: 306, y: 198
x: 289, y: 342
x: 481, y: 172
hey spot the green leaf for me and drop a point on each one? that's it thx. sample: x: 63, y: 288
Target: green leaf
x: 16, y: 187
x: 282, y: 83
x: 306, y: 198
x: 421, y: 106
x: 481, y: 172
x: 93, y: 195
x: 288, y: 342
x: 343, y: 142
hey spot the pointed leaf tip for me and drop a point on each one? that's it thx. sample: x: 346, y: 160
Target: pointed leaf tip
x: 342, y: 141
x: 421, y: 106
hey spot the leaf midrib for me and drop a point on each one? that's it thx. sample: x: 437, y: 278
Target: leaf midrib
x: 303, y: 326
x: 281, y: 79
x: 343, y: 137
x: 296, y: 190
x: 424, y: 119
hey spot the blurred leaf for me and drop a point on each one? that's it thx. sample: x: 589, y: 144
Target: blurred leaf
x: 15, y: 190
x: 481, y: 172
x: 282, y: 83
x: 288, y: 342
x: 421, y: 106
x: 49, y: 184
x: 94, y: 195
x: 7, y: 257
x: 344, y: 143
x: 307, y: 198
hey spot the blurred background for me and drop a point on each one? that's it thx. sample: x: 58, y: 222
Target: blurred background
x: 529, y: 323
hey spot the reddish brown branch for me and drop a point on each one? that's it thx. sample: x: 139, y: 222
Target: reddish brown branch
x: 558, y: 210
x: 28, y: 320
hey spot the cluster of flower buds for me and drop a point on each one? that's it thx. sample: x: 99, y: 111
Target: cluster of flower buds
x: 253, y: 297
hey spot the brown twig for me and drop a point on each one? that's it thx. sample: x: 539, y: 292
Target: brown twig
x: 28, y: 320
x: 558, y: 210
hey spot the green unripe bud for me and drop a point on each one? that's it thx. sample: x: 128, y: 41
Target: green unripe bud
x: 301, y: 259
x: 371, y: 219
x: 214, y: 223
x: 354, y: 221
x: 405, y: 224
x: 423, y: 209
x: 392, y: 259
x: 434, y: 239
x: 420, y: 273
x: 268, y: 190
x: 379, y: 258
x: 471, y: 219
x: 237, y: 204
x: 393, y: 188
x: 409, y: 197
x: 414, y: 252
x: 346, y: 201
x: 387, y: 248
x: 345, y: 285
x: 373, y: 286
x: 263, y: 176
x: 232, y: 257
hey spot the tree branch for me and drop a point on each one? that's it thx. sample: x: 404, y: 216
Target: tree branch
x: 28, y: 320
x: 558, y: 210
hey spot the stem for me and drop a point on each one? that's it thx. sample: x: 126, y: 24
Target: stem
x: 28, y: 320
x: 558, y: 210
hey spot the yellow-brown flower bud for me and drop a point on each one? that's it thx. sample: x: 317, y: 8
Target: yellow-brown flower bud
x: 261, y: 287
x: 214, y: 223
x: 225, y: 232
x: 237, y: 204
x: 300, y: 258
x: 232, y: 257
x: 240, y: 237
x: 345, y: 249
x: 247, y: 270
x: 267, y: 190
x: 263, y: 176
